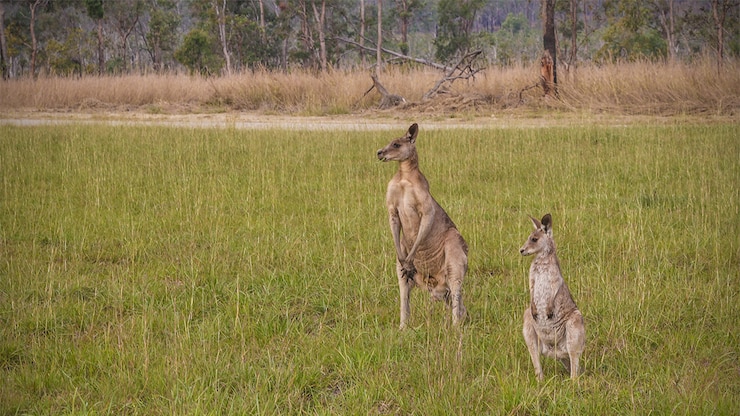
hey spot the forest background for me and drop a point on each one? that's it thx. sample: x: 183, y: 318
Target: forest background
x: 223, y: 37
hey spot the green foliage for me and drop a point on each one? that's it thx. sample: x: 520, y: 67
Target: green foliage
x: 95, y: 9
x: 455, y: 27
x: 620, y: 44
x: 153, y: 270
x: 251, y: 45
x: 632, y: 34
x: 516, y: 40
x: 197, y: 53
x: 64, y: 58
x: 162, y: 34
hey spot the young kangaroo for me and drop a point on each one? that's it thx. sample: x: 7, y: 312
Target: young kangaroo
x: 553, y: 325
x: 430, y: 252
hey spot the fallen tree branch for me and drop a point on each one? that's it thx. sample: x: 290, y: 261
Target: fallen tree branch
x: 463, y: 70
x: 388, y: 100
x: 396, y: 54
x: 529, y: 87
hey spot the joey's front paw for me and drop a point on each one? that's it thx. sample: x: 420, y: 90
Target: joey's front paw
x: 409, y: 271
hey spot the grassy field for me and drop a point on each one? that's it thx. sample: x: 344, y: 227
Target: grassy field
x: 153, y: 270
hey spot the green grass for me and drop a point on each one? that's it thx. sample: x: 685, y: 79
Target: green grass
x: 149, y: 270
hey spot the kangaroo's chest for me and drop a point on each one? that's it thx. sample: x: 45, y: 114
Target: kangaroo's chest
x: 408, y: 201
x: 545, y: 282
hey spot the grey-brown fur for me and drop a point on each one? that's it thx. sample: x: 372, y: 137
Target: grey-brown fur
x: 553, y: 325
x: 430, y: 252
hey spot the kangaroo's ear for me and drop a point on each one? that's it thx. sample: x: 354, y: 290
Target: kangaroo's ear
x: 547, y: 224
x: 535, y: 222
x: 413, y: 131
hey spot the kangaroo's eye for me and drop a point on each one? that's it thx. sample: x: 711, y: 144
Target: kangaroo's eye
x: 396, y: 145
x: 533, y: 239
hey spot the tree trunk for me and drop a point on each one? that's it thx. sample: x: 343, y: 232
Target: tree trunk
x: 574, y: 33
x: 547, y: 74
x: 667, y: 21
x: 378, y: 56
x: 34, y: 42
x: 719, y: 12
x: 4, y: 64
x: 320, y: 21
x: 404, y: 26
x: 550, y: 45
x: 262, y: 15
x: 125, y: 33
x: 307, y: 34
x: 221, y: 15
x: 362, y: 33
x: 101, y: 51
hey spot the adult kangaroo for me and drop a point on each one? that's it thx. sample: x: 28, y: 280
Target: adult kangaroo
x: 430, y: 252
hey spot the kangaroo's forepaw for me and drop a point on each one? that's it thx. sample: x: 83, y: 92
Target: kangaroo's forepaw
x: 409, y: 272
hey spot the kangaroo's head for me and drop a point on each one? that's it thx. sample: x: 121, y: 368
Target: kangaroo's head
x: 401, y: 149
x: 541, y: 238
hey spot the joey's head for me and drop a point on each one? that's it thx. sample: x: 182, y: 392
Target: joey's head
x: 541, y: 238
x: 401, y: 149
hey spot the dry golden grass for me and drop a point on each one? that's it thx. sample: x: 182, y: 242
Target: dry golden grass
x: 625, y: 88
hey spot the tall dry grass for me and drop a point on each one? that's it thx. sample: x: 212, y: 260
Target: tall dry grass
x: 625, y: 88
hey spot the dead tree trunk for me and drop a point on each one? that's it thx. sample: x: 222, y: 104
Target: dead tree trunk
x: 4, y: 64
x: 547, y: 74
x: 387, y: 99
x: 550, y: 45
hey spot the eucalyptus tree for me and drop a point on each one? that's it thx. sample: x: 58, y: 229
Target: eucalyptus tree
x: 96, y: 12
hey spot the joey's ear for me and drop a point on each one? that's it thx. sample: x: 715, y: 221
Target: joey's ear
x: 547, y: 223
x: 535, y: 222
x: 413, y: 131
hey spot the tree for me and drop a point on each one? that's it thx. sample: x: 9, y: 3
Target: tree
x: 631, y: 32
x: 455, y: 27
x: 574, y: 32
x: 320, y: 25
x: 379, y: 50
x: 550, y: 61
x: 96, y: 12
x: 515, y: 41
x: 362, y: 33
x: 4, y: 64
x: 667, y: 18
x: 162, y: 34
x: 221, y: 22
x: 35, y: 6
x: 405, y: 11
x: 196, y: 53
x: 124, y: 15
x: 720, y: 12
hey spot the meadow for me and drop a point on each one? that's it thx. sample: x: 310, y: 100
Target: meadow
x: 163, y: 270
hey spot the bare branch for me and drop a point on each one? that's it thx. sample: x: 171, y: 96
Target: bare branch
x: 463, y: 70
x: 396, y: 54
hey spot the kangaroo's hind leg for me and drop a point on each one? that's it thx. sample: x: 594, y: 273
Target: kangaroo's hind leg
x: 404, y: 286
x: 533, y: 342
x: 575, y: 336
x: 457, y: 266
